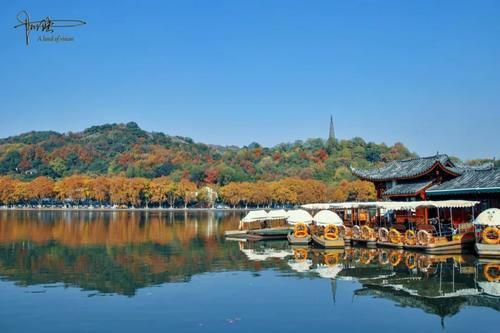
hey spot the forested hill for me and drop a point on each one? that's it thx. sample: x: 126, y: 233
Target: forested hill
x: 126, y: 149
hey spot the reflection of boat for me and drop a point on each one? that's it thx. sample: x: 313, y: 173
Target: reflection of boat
x: 441, y: 286
x: 300, y: 262
x: 300, y: 234
x: 262, y: 253
x: 488, y: 233
x: 328, y: 232
x: 330, y: 265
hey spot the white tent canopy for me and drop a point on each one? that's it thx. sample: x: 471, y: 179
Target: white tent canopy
x: 277, y: 214
x: 299, y: 216
x: 394, y: 205
x: 446, y: 204
x: 326, y: 217
x: 255, y: 215
x: 489, y: 217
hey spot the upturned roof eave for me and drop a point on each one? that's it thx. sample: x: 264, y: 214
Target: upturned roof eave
x: 363, y: 176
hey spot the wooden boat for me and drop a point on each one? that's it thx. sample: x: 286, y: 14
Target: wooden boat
x: 259, y: 224
x: 488, y: 250
x: 268, y: 233
x: 390, y: 238
x: 488, y: 233
x: 328, y: 230
x: 346, y: 233
x: 328, y: 243
x: 293, y: 240
x: 235, y: 234
x: 364, y: 235
x: 458, y: 243
x: 300, y: 235
x: 330, y: 238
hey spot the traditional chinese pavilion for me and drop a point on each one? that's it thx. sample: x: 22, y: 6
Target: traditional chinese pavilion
x: 435, y: 178
x: 418, y: 178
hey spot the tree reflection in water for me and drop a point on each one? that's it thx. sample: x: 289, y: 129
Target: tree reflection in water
x: 120, y: 252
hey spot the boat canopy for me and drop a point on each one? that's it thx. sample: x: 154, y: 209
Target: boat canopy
x: 326, y: 217
x: 394, y: 205
x: 277, y: 214
x: 446, y: 204
x: 255, y: 215
x: 489, y: 217
x: 328, y: 272
x: 299, y: 216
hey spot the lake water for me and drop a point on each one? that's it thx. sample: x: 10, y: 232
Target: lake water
x: 175, y: 272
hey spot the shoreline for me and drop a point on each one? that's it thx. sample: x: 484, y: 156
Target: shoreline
x: 129, y: 209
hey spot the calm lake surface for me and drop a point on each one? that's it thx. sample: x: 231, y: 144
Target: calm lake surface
x: 174, y: 272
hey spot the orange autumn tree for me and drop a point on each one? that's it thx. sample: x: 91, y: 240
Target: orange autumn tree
x: 72, y: 188
x: 7, y: 189
x: 99, y: 188
x: 186, y: 190
x: 41, y: 188
x: 357, y: 190
x: 162, y: 189
x: 231, y: 194
x: 21, y: 192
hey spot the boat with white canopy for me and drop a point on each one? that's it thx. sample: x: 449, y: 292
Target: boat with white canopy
x: 259, y: 224
x: 488, y: 233
x: 431, y: 226
x: 299, y: 219
x: 328, y: 232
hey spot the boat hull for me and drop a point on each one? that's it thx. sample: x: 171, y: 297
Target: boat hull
x: 327, y: 243
x: 367, y: 242
x: 270, y: 233
x: 389, y: 244
x: 236, y: 233
x: 488, y: 250
x: 298, y: 240
x: 449, y: 247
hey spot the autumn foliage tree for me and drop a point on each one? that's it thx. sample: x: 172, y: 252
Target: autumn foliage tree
x: 40, y: 188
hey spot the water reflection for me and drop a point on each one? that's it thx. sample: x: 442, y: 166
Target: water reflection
x: 121, y: 252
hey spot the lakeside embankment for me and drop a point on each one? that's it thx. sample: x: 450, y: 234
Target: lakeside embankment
x: 130, y: 209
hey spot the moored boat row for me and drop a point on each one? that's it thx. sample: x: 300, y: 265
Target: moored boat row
x: 434, y: 233
x: 429, y: 226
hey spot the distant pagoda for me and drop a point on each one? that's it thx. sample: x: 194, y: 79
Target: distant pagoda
x: 331, y: 133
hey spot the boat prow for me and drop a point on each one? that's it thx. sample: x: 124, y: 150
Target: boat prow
x: 328, y: 243
x: 293, y: 240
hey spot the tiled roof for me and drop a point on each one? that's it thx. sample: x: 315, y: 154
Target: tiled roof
x: 410, y: 168
x: 403, y: 169
x: 407, y: 189
x: 470, y: 181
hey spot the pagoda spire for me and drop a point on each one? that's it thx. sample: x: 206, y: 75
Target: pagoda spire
x: 331, y: 133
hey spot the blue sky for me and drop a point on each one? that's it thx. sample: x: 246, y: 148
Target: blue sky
x: 426, y: 73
